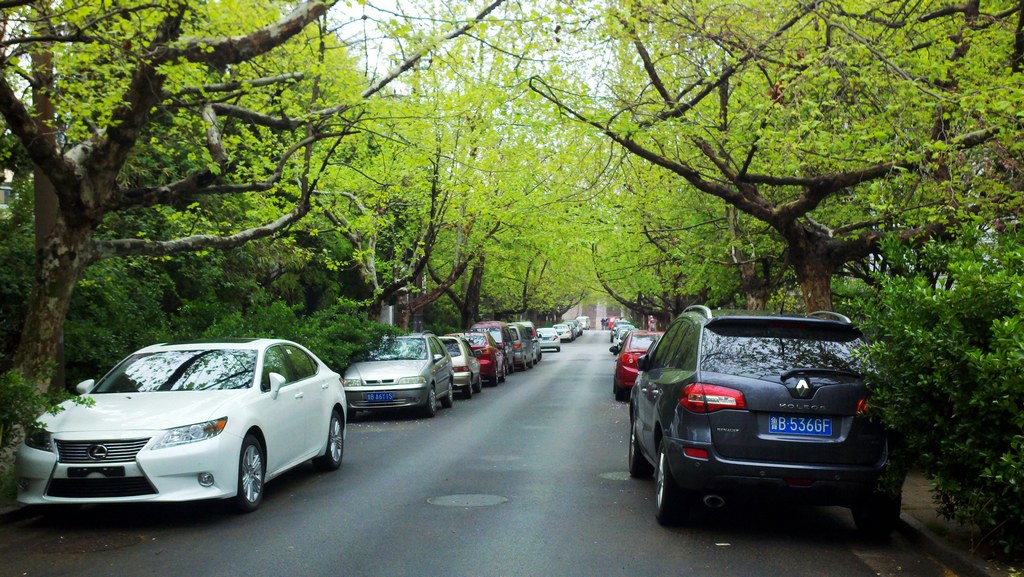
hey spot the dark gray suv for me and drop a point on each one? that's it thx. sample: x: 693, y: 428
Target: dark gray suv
x: 745, y: 405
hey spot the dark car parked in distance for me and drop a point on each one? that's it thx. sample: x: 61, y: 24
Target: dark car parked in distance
x: 742, y: 405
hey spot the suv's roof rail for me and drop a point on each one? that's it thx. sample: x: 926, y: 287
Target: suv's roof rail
x: 835, y: 315
x: 699, y: 308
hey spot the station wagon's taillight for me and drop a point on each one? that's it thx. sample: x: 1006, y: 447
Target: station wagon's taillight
x: 702, y: 398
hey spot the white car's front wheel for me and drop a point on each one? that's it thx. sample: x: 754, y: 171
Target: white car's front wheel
x: 252, y: 471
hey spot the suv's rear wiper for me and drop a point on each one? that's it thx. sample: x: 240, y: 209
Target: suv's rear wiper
x: 820, y: 373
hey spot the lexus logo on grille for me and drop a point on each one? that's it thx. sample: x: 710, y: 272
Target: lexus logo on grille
x: 803, y: 388
x: 97, y: 452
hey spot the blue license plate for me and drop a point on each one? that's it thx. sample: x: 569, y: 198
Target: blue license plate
x: 798, y: 425
x: 378, y: 397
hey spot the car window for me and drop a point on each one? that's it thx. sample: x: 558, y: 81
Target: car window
x: 453, y: 347
x: 302, y: 365
x: 772, y: 348
x: 400, y: 349
x: 666, y: 349
x: 640, y: 342
x: 436, y: 348
x: 204, y: 369
x: 477, y: 339
x: 275, y: 361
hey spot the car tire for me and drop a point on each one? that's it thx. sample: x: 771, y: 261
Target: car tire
x: 621, y: 394
x: 639, y: 467
x: 467, y: 393
x: 252, y: 472
x: 430, y: 408
x: 877, y: 515
x: 672, y: 504
x: 331, y: 459
x: 499, y: 378
x: 479, y: 386
x: 448, y: 401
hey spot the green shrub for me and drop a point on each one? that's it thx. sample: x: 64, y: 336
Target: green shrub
x: 947, y: 363
x: 21, y: 403
x: 338, y: 335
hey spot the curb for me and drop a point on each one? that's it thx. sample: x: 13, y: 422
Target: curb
x: 961, y: 563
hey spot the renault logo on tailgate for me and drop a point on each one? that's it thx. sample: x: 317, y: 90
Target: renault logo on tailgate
x: 803, y: 388
x: 97, y: 452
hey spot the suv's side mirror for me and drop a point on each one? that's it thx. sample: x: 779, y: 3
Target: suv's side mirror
x: 614, y: 349
x: 642, y: 364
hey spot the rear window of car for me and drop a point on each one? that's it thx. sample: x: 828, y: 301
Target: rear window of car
x: 476, y: 340
x: 495, y: 332
x: 453, y: 347
x: 774, y: 347
x: 641, y: 342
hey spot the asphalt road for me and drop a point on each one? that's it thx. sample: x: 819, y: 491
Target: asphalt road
x: 528, y: 478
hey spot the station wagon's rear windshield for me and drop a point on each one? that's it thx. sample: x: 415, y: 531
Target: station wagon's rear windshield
x: 191, y: 370
x: 771, y: 347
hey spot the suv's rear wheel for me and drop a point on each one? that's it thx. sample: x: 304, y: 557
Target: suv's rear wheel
x: 876, y: 516
x: 673, y: 505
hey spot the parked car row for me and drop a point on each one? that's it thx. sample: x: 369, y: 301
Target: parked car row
x: 218, y: 420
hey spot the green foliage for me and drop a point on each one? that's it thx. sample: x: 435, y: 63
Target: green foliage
x: 20, y: 404
x: 337, y: 335
x: 947, y: 363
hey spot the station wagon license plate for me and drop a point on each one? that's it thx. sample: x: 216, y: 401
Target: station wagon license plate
x: 797, y: 425
x: 378, y: 397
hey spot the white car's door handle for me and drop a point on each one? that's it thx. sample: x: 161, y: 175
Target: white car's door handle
x: 298, y: 395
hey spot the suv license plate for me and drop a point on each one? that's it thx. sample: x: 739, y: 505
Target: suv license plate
x: 795, y: 425
x: 377, y: 397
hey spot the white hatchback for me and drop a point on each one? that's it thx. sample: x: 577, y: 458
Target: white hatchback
x: 210, y: 420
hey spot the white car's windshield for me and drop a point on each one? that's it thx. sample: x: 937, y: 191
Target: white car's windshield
x: 191, y: 370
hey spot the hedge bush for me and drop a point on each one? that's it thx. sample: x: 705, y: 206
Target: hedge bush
x: 947, y: 371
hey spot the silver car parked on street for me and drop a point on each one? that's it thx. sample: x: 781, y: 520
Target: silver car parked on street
x: 413, y: 371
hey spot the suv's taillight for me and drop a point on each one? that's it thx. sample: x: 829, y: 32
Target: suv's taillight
x: 701, y: 398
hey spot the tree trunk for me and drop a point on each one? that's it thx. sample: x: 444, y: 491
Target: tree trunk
x: 61, y: 263
x: 471, y: 302
x: 814, y: 270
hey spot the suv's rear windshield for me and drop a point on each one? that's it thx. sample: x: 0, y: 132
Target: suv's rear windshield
x: 772, y: 347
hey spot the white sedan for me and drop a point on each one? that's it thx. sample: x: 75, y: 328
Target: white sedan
x: 188, y: 421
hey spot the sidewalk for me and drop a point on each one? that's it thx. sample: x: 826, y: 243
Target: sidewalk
x: 951, y: 543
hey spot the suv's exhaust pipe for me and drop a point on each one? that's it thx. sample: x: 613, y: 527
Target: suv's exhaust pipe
x: 714, y: 501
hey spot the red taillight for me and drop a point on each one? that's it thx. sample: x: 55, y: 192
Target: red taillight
x: 863, y: 407
x: 629, y: 359
x: 701, y: 398
x: 518, y: 345
x: 695, y: 453
x: 459, y: 369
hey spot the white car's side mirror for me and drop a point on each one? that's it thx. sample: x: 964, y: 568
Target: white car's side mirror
x: 276, y: 380
x: 85, y: 386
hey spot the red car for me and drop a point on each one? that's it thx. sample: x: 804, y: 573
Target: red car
x: 633, y: 346
x: 490, y: 355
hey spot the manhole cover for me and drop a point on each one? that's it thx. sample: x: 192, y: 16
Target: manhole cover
x: 615, y: 476
x: 467, y: 500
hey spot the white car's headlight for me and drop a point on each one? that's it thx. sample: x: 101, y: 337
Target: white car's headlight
x: 191, y: 433
x: 353, y: 382
x: 417, y: 380
x: 39, y: 439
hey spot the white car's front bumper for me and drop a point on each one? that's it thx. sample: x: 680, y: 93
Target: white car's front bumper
x: 167, y: 474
